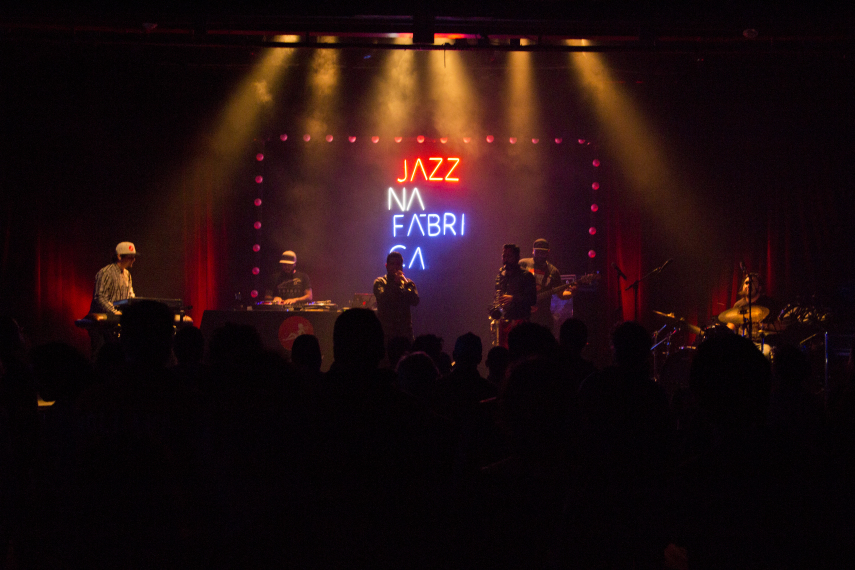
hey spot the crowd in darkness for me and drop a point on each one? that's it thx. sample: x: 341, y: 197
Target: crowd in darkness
x: 166, y: 453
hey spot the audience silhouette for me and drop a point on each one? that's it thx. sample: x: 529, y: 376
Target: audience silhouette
x: 236, y: 457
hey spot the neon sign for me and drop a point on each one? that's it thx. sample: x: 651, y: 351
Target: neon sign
x: 436, y: 225
x: 414, y: 221
x: 432, y: 177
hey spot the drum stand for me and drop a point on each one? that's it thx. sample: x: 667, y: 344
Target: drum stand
x: 667, y: 340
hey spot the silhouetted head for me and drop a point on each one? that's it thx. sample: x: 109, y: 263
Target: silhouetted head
x: 468, y: 350
x: 428, y: 343
x: 232, y: 343
x: 147, y: 333
x: 730, y: 378
x: 189, y: 345
x: 306, y: 352
x: 358, y: 339
x: 498, y: 359
x: 417, y: 375
x: 531, y: 339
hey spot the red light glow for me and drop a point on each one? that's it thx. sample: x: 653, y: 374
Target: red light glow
x: 592, y: 254
x: 259, y: 179
x: 513, y: 140
x: 490, y: 138
x: 595, y: 185
x: 420, y: 138
x: 253, y: 293
x: 596, y: 162
x: 257, y: 225
x: 259, y: 157
x: 256, y: 248
x: 443, y: 140
x: 594, y: 207
x: 375, y: 139
x: 257, y: 201
x: 558, y: 140
x: 398, y: 139
x: 283, y: 137
x: 351, y: 139
x: 592, y: 230
x: 255, y: 271
x: 467, y: 139
x: 329, y: 138
x: 307, y: 138
x: 535, y: 141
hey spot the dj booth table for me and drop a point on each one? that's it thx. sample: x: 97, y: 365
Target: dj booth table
x: 279, y: 328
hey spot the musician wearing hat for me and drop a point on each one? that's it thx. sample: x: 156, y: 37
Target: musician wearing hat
x: 547, y: 278
x: 112, y: 283
x: 290, y: 286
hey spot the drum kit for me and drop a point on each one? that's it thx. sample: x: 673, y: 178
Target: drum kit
x: 673, y: 372
x: 798, y: 323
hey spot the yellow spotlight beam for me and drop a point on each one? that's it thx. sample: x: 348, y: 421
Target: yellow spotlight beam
x: 642, y: 153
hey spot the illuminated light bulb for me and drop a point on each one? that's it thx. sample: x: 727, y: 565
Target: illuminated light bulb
x: 595, y: 185
x: 535, y: 141
x: 490, y: 138
x: 513, y: 140
x: 375, y: 139
x: 596, y: 162
x: 259, y: 157
x: 592, y: 254
x: 259, y: 179
x: 594, y: 207
x: 253, y: 293
x: 467, y: 139
x: 307, y: 137
x: 256, y: 248
x: 443, y: 140
x: 398, y: 139
x: 255, y: 270
x: 420, y: 138
x: 581, y: 141
x: 329, y: 138
x: 257, y: 225
x: 351, y: 139
x: 257, y: 201
x: 592, y: 230
x: 558, y: 140
x: 283, y: 137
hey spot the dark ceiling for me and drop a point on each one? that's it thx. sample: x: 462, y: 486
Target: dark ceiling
x: 667, y: 25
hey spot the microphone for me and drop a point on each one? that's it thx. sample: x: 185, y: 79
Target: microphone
x: 619, y: 272
x: 664, y: 265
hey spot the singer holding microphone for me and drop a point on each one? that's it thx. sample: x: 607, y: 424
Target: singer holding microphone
x: 395, y: 295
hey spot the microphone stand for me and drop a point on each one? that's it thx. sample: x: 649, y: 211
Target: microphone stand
x: 636, y: 283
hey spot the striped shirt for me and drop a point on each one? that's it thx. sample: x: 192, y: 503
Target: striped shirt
x: 111, y: 284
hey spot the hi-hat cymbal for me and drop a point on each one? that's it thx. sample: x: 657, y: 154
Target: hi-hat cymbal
x: 738, y: 315
x: 680, y: 322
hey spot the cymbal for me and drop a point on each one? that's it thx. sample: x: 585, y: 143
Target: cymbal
x: 681, y: 322
x: 737, y: 315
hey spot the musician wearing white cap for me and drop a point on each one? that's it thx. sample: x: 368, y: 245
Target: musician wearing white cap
x: 113, y: 282
x: 290, y: 286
